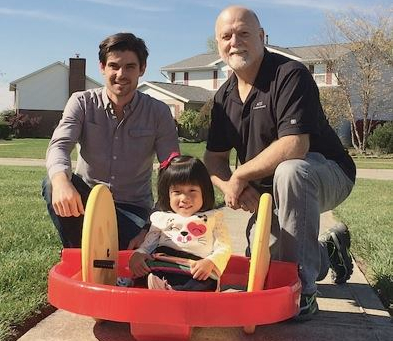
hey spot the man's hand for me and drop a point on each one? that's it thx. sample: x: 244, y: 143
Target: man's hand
x: 249, y: 199
x: 66, y: 200
x: 232, y: 191
x: 137, y: 241
x: 138, y: 265
x: 202, y: 269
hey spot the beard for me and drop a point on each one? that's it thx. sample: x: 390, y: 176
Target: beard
x: 238, y: 62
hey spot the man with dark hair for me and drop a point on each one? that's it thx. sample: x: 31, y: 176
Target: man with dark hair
x: 269, y: 111
x: 123, y: 42
x: 119, y: 130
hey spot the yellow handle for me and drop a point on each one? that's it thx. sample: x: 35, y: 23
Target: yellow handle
x: 260, y: 253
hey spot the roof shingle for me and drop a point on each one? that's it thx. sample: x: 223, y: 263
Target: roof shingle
x: 195, y: 62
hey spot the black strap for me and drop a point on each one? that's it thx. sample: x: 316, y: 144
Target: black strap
x: 250, y: 224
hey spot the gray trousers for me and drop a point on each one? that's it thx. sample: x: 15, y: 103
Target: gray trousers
x: 302, y: 190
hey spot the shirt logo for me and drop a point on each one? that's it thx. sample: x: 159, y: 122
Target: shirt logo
x: 259, y: 105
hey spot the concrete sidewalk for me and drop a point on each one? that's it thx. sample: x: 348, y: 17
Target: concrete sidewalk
x: 347, y: 312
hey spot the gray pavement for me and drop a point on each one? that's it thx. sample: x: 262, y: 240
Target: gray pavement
x: 347, y: 312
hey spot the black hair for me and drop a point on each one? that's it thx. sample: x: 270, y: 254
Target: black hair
x: 123, y: 42
x: 182, y: 170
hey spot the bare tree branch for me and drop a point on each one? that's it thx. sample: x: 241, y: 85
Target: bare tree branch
x: 360, y: 53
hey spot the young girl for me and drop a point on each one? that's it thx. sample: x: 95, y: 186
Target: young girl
x: 187, y: 227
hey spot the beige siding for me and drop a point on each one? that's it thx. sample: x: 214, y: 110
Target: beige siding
x: 90, y: 85
x: 47, y: 90
x: 204, y: 79
x: 176, y: 106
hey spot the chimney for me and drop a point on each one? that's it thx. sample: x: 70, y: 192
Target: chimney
x: 77, y: 76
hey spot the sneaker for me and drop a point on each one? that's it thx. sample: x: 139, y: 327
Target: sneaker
x: 155, y: 282
x: 308, y: 307
x: 124, y: 282
x: 338, y: 241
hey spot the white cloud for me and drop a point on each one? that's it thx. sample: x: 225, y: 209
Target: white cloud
x: 6, y: 96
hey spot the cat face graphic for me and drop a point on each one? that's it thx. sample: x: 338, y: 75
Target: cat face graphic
x: 187, y: 232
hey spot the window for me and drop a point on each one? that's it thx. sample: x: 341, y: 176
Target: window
x: 173, y: 77
x: 185, y: 78
x: 215, y: 79
x: 320, y: 74
x: 320, y: 79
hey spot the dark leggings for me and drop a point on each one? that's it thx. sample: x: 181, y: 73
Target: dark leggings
x: 186, y: 283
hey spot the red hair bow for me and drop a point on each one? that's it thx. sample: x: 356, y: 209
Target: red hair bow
x: 164, y: 164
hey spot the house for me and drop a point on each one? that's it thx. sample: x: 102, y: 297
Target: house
x: 193, y: 81
x: 44, y: 93
x: 210, y: 72
x: 179, y: 97
x: 205, y: 70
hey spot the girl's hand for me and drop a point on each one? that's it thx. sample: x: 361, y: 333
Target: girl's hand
x: 138, y: 265
x: 202, y: 269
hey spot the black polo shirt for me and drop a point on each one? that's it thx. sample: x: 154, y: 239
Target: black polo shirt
x: 284, y: 101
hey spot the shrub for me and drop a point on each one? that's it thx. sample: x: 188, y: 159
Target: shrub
x: 6, y: 114
x: 192, y: 124
x: 22, y: 125
x: 5, y: 130
x: 382, y: 138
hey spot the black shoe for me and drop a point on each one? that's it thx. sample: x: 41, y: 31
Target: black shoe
x: 338, y: 241
x: 308, y: 307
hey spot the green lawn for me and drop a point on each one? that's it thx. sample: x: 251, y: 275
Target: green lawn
x: 29, y: 244
x: 368, y: 213
x: 374, y: 164
x: 35, y: 149
x: 26, y: 148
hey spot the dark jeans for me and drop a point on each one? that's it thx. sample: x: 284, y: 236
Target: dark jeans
x: 70, y: 228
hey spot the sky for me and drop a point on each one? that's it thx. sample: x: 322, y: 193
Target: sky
x: 37, y: 33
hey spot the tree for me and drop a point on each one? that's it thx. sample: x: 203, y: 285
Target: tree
x: 212, y: 45
x: 334, y: 104
x: 359, y: 54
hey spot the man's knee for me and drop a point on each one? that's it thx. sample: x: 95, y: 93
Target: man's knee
x: 290, y: 172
